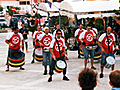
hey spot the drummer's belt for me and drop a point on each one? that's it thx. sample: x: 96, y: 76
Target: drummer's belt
x: 90, y: 47
x: 46, y: 50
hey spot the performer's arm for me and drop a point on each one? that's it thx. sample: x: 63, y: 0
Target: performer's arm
x: 64, y: 50
x: 22, y: 43
x: 102, y: 49
x: 76, y: 39
x: 7, y: 41
x: 51, y: 51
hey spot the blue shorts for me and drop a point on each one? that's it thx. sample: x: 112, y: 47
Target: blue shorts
x: 88, y: 52
x: 104, y: 56
x: 47, y: 58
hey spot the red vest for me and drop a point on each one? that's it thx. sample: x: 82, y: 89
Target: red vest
x: 15, y: 40
x: 36, y: 35
x: 105, y: 43
x: 88, y: 38
x: 80, y: 31
x: 56, y: 50
x: 46, y: 40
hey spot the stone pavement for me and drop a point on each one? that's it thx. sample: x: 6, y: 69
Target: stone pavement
x: 32, y: 77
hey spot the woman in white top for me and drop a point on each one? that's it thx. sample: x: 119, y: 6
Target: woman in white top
x: 19, y: 24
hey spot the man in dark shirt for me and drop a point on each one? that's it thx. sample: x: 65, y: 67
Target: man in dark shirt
x: 24, y: 32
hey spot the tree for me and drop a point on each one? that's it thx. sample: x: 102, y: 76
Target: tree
x: 13, y: 12
x: 99, y: 24
x: 1, y: 8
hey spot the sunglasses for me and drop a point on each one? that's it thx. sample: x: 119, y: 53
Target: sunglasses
x: 59, y: 33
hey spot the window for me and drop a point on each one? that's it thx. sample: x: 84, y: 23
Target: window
x: 22, y: 2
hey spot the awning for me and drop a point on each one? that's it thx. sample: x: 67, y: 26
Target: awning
x: 90, y: 6
x: 96, y: 15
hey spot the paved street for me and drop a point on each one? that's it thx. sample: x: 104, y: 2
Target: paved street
x: 32, y: 77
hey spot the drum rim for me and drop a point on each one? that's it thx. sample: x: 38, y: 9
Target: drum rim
x: 113, y: 60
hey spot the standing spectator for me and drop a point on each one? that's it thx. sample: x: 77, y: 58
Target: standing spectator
x: 114, y: 78
x: 36, y: 21
x: 24, y: 32
x: 13, y: 24
x: 87, y: 79
x: 105, y: 49
x: 43, y: 26
x: 32, y: 22
x: 25, y: 22
x: 19, y: 24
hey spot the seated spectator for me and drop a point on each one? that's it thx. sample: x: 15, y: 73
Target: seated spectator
x: 87, y: 79
x: 114, y: 78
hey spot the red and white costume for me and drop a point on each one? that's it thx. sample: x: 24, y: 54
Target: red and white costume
x: 54, y: 33
x: 94, y: 30
x: 87, y: 37
x: 15, y: 40
x: 103, y: 39
x: 77, y: 33
x: 54, y: 46
x: 36, y: 35
x: 45, y: 39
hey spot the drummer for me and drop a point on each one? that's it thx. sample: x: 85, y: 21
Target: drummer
x: 86, y: 39
x: 14, y: 39
x: 56, y: 55
x: 102, y: 42
x: 35, y: 35
x: 77, y: 34
x: 45, y: 40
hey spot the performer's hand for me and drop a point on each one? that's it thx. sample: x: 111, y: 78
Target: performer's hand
x: 24, y: 32
x: 54, y: 57
x: 33, y: 46
x: 41, y: 44
x: 102, y: 50
x: 21, y: 46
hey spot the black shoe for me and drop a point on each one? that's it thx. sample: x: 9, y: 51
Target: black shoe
x: 21, y: 68
x: 50, y: 79
x: 45, y: 72
x: 79, y: 56
x: 101, y: 75
x: 33, y: 61
x: 93, y: 68
x: 65, y: 78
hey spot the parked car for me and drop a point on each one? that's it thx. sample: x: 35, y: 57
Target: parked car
x: 3, y: 23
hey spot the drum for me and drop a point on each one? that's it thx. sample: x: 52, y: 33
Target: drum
x: 60, y: 65
x: 16, y: 59
x: 110, y: 61
x: 38, y: 55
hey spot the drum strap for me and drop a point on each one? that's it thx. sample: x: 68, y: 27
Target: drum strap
x: 58, y: 47
x: 108, y: 42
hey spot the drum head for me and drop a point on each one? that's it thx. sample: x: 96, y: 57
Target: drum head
x: 110, y: 60
x: 61, y: 64
x: 38, y: 52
